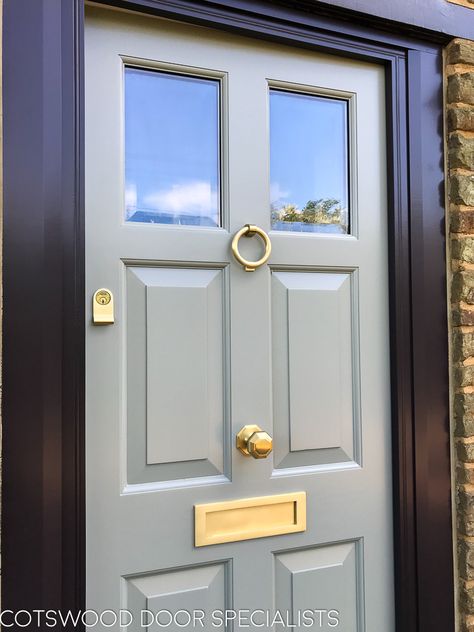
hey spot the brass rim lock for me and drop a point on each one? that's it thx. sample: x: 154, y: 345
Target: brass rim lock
x: 252, y: 441
x: 103, y: 307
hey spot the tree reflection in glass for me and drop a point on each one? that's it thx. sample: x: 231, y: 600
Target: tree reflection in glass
x: 309, y: 180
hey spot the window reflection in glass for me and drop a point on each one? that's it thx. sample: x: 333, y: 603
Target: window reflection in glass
x: 171, y: 148
x: 309, y: 189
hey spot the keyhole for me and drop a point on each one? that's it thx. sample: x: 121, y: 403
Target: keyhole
x: 103, y: 298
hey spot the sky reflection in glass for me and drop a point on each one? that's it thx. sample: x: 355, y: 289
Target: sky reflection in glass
x: 171, y: 148
x: 308, y: 163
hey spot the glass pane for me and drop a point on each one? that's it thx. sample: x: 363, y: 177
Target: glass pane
x: 171, y: 148
x: 309, y: 189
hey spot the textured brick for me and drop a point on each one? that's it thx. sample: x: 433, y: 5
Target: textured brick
x: 460, y: 52
x: 461, y: 151
x: 461, y: 189
x: 464, y: 414
x: 466, y: 624
x: 463, y: 249
x: 461, y: 118
x: 466, y: 501
x: 462, y: 288
x: 461, y: 315
x: 464, y: 375
x: 460, y: 121
x: 461, y: 88
x: 462, y: 221
x: 465, y: 474
x: 466, y: 599
x: 465, y: 452
x: 466, y: 524
x: 463, y: 345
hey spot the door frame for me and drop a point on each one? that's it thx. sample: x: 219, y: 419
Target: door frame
x: 43, y: 513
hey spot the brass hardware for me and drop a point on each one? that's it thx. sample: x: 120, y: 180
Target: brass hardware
x: 249, y: 230
x: 103, y: 297
x: 103, y: 307
x: 251, y: 440
x: 248, y: 518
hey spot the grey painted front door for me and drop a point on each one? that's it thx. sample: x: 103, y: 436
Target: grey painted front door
x: 191, y: 134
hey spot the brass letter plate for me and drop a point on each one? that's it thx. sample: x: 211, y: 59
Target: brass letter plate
x: 248, y: 518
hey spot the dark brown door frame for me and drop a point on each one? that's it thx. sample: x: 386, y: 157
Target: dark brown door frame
x: 43, y: 534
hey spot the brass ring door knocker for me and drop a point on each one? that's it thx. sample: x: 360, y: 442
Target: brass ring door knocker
x: 249, y: 230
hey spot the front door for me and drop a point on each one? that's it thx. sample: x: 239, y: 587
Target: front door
x: 238, y: 396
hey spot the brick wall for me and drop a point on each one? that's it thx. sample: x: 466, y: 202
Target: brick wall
x: 460, y: 156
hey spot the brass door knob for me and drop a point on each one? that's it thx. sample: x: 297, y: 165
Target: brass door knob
x: 251, y: 440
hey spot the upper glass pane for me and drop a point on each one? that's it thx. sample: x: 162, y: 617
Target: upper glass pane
x: 309, y: 180
x: 171, y: 148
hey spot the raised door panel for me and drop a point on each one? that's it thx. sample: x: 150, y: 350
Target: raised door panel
x: 176, y: 413
x: 315, y: 368
x: 323, y: 584
x: 179, y: 599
